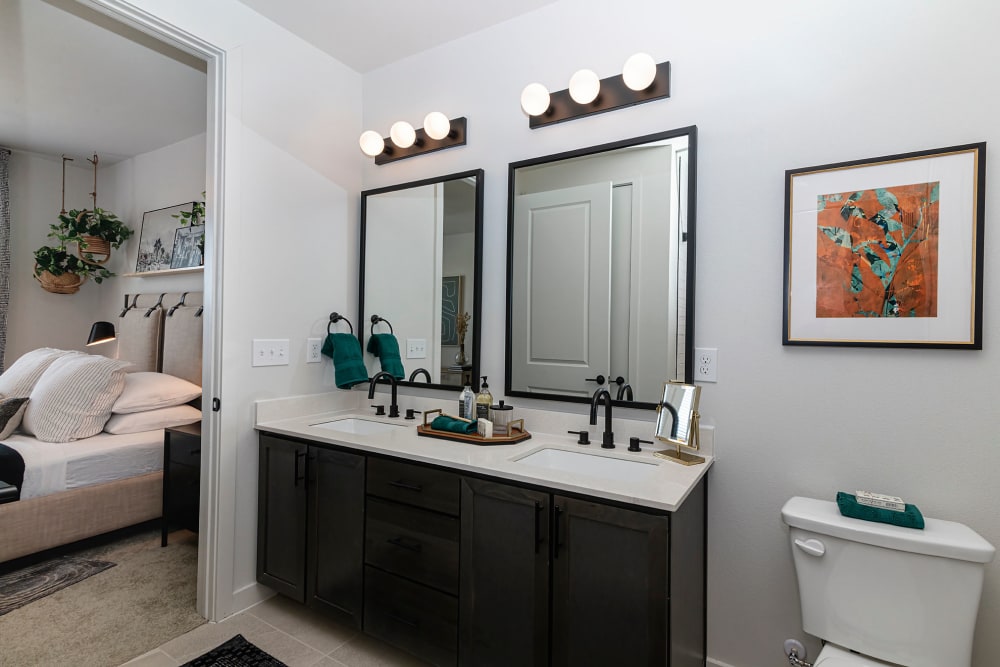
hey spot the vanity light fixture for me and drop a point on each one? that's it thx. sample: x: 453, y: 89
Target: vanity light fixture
x: 642, y: 80
x: 404, y: 141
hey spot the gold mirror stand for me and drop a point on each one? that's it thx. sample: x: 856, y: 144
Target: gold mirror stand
x: 684, y: 458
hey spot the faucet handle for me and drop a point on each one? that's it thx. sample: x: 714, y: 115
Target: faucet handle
x: 633, y: 444
x: 379, y: 410
x: 584, y: 437
x: 411, y: 413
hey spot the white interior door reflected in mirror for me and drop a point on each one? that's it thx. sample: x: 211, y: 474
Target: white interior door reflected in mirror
x: 560, y: 275
x: 600, y: 246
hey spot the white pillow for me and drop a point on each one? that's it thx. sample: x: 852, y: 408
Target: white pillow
x: 18, y: 380
x: 146, y: 390
x: 150, y: 420
x: 73, y: 398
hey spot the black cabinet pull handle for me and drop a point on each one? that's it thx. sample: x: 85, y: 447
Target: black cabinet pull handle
x: 538, y: 536
x: 400, y: 484
x: 404, y: 621
x: 555, y: 536
x: 402, y: 543
x: 599, y: 379
x: 299, y: 477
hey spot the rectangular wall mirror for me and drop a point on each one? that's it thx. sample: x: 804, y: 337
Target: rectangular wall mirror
x: 600, y: 270
x: 421, y: 273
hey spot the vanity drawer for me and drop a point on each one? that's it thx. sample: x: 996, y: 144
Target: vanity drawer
x: 413, y: 543
x: 415, y: 485
x: 413, y: 617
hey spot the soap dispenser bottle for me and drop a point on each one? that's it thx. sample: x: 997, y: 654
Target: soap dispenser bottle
x: 467, y: 403
x: 484, y: 399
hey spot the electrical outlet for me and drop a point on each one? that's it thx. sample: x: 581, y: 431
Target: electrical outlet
x: 706, y: 368
x: 270, y: 352
x: 313, y: 350
x: 416, y: 348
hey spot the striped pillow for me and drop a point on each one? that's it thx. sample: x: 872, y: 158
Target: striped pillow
x: 18, y: 380
x: 73, y: 398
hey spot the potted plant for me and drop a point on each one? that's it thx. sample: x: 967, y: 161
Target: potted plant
x: 60, y: 272
x: 95, y: 231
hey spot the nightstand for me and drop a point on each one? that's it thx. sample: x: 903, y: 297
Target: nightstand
x: 181, y: 477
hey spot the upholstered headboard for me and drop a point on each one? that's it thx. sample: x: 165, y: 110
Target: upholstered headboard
x: 162, y: 332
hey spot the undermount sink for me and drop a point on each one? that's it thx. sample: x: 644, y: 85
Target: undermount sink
x: 589, y: 464
x: 358, y: 426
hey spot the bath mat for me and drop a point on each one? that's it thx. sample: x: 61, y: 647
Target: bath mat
x: 20, y: 587
x: 237, y: 652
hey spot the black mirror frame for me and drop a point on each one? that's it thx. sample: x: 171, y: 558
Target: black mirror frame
x: 691, y: 132
x: 477, y: 291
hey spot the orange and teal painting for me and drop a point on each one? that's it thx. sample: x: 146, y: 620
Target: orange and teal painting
x: 877, y: 252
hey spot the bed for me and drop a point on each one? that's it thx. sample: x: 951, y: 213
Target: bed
x: 75, y: 490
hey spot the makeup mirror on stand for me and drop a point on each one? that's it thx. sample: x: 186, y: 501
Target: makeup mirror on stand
x: 677, y: 422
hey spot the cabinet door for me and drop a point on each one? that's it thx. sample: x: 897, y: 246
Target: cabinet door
x: 336, y: 533
x: 504, y: 576
x: 609, y: 588
x: 281, y: 516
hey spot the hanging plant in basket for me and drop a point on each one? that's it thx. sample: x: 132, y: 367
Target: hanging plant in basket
x: 60, y: 272
x: 95, y: 232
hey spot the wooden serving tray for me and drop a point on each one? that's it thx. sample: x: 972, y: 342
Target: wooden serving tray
x: 517, y: 434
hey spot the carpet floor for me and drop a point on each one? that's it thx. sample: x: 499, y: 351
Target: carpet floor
x: 147, y: 599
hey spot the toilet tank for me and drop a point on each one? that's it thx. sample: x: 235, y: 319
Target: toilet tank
x: 897, y: 594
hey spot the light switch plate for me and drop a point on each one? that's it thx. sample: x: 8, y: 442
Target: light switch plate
x: 416, y: 348
x: 270, y: 352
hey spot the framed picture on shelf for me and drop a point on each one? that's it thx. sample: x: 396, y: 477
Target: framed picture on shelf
x: 165, y: 243
x: 451, y: 308
x: 886, y: 252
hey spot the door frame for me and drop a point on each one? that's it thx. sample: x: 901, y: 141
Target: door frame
x: 216, y: 519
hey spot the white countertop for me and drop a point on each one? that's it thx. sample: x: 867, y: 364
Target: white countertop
x: 663, y: 487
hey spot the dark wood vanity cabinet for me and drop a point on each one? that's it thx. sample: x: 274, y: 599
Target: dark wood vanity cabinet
x: 578, y: 582
x: 310, y: 525
x: 478, y: 572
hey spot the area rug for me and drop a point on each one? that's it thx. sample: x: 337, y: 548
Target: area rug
x: 237, y: 652
x: 33, y: 583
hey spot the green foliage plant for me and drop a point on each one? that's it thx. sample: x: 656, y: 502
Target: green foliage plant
x: 58, y: 261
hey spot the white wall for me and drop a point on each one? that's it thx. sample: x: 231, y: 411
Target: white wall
x: 771, y: 85
x: 292, y: 184
x: 37, y: 318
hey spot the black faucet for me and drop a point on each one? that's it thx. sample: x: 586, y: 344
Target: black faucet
x: 673, y: 413
x: 625, y: 390
x: 421, y: 371
x: 608, y: 441
x: 393, y: 408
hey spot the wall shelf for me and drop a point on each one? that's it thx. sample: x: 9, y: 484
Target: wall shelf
x: 165, y: 272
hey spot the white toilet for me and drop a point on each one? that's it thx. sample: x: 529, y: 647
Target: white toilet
x: 879, y: 594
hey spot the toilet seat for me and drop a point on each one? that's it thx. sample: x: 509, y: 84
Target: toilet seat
x: 835, y: 656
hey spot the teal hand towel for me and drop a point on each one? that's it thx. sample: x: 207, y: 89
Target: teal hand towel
x: 386, y: 348
x: 443, y: 423
x: 908, y: 518
x: 349, y: 367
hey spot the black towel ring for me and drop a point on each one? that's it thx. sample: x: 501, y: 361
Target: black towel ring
x: 337, y: 317
x: 376, y: 319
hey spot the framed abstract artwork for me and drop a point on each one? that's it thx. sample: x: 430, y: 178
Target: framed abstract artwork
x: 451, y: 308
x: 168, y: 240
x: 886, y: 252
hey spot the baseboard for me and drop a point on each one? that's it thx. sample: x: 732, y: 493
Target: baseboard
x: 717, y: 663
x: 248, y: 596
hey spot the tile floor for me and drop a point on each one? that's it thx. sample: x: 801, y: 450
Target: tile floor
x: 287, y: 630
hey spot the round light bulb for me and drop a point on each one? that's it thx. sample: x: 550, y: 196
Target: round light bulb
x: 437, y: 125
x: 372, y: 143
x: 535, y: 99
x: 402, y: 134
x: 639, y: 71
x: 584, y: 86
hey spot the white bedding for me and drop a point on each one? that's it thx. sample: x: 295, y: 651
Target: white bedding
x: 51, y: 467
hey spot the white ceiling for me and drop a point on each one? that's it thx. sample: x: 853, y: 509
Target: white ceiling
x: 75, y: 82
x: 367, y: 34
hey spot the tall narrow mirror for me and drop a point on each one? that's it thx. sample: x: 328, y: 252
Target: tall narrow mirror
x: 600, y: 270
x: 421, y: 275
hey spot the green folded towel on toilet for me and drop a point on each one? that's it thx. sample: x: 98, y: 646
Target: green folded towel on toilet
x: 444, y: 423
x: 850, y: 507
x: 386, y: 348
x: 349, y: 367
